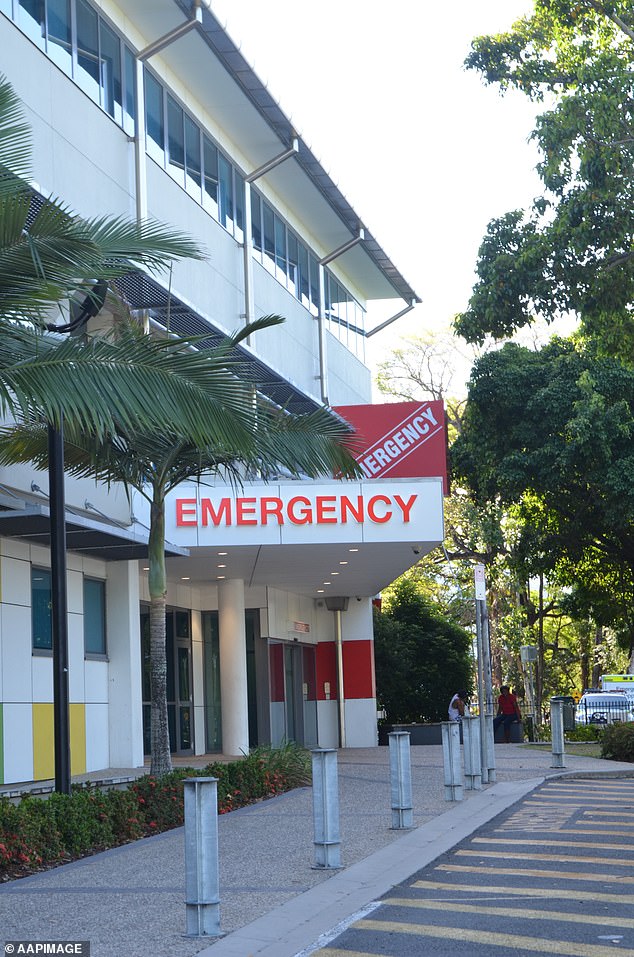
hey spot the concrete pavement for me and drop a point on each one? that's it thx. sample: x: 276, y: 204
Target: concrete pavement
x: 130, y: 900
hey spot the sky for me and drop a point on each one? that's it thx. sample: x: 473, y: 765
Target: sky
x: 425, y: 152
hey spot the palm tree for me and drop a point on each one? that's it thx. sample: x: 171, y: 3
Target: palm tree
x: 154, y: 464
x: 48, y: 257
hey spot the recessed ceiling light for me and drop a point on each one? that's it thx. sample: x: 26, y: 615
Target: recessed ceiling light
x: 343, y: 563
x: 334, y: 573
x: 146, y: 568
x: 221, y: 566
x: 223, y: 553
x: 185, y: 578
x: 327, y: 583
x: 353, y: 549
x: 219, y: 577
x: 320, y: 590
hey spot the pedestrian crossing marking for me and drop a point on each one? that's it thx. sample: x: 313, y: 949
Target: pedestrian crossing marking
x: 505, y: 911
x: 526, y: 842
x: 609, y: 813
x: 533, y: 872
x: 563, y: 858
x: 515, y: 891
x: 491, y: 938
x: 568, y: 830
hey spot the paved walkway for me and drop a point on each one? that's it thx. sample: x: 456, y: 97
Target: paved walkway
x: 129, y: 901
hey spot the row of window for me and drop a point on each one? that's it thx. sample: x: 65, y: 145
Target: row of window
x: 79, y: 40
x: 94, y: 613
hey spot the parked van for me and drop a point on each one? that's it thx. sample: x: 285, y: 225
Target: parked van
x: 624, y: 683
x: 603, y: 707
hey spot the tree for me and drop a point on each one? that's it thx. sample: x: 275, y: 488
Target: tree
x: 421, y: 657
x: 47, y: 258
x: 573, y: 251
x: 550, y: 433
x: 155, y: 463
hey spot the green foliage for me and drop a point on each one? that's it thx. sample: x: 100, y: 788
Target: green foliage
x: 39, y: 833
x: 421, y: 657
x: 617, y: 742
x: 572, y: 252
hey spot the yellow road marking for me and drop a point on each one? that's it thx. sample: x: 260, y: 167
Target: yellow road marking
x: 547, y: 800
x: 611, y: 813
x: 560, y: 830
x: 504, y: 911
x: 533, y: 872
x: 522, y: 842
x: 563, y: 858
x: 508, y: 941
x: 520, y: 891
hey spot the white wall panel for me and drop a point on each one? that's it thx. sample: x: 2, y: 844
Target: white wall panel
x: 96, y: 681
x: 42, y: 678
x: 97, y: 751
x: 76, y: 685
x: 361, y: 727
x: 328, y: 724
x: 16, y: 653
x: 75, y: 591
x: 15, y: 582
x: 18, y: 742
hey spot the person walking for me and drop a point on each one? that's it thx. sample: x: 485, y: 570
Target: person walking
x: 508, y: 712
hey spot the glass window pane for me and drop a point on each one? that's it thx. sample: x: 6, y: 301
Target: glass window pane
x: 41, y: 608
x: 87, y: 74
x: 59, y: 45
x: 280, y: 250
x: 129, y: 92
x: 293, y: 268
x: 302, y: 261
x: 256, y: 222
x: 193, y: 165
x: 210, y: 172
x: 225, y: 206
x: 175, y: 141
x: 31, y: 18
x: 268, y: 224
x: 5, y: 7
x: 110, y: 60
x: 94, y: 617
x: 183, y: 674
x: 155, y: 139
x: 239, y: 191
x: 314, y: 285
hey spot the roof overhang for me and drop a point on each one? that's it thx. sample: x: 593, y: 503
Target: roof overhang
x: 84, y: 535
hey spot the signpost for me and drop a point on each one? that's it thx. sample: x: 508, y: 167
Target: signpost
x: 485, y: 684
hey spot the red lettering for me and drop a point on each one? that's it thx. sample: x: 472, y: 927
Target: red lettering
x: 372, y: 515
x: 245, y: 507
x: 271, y: 506
x: 348, y: 506
x: 325, y: 507
x: 185, y: 507
x: 305, y: 515
x: 405, y: 507
x: 209, y: 512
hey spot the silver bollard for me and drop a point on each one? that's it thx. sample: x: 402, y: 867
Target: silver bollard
x: 202, y: 889
x: 472, y: 756
x: 326, y: 809
x: 557, y: 733
x: 451, y: 760
x: 490, y: 749
x: 401, y: 780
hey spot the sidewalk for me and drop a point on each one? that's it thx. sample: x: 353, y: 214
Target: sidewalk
x: 129, y: 901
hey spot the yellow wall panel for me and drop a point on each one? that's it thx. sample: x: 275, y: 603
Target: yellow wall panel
x: 43, y: 742
x: 77, y: 738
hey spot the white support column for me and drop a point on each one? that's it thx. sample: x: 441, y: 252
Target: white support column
x: 125, y: 714
x: 233, y: 667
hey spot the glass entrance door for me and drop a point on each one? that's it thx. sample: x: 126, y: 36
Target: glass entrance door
x: 179, y: 680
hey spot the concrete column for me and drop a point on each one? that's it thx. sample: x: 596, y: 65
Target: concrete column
x: 233, y: 667
x: 125, y: 714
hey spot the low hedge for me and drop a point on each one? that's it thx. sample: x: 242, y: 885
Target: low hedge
x: 41, y: 832
x: 617, y: 742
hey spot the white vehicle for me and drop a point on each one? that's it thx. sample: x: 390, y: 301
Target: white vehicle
x: 603, y: 707
x: 624, y: 683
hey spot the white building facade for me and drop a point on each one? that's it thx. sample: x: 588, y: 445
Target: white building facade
x: 268, y: 638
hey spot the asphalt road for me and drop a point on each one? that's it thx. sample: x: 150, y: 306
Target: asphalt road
x: 552, y: 875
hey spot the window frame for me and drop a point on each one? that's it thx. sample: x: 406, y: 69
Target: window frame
x: 96, y: 655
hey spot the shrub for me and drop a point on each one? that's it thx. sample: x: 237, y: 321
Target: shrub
x: 617, y: 742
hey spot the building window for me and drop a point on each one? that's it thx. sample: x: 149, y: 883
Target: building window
x: 154, y: 124
x: 87, y: 73
x: 110, y: 72
x: 193, y: 166
x: 59, y: 45
x: 225, y: 204
x: 210, y: 173
x: 42, y: 631
x: 94, y: 616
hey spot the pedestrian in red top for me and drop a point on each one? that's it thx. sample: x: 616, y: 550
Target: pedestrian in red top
x: 508, y: 712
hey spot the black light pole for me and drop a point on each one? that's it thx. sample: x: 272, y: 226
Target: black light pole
x: 80, y: 315
x: 59, y: 617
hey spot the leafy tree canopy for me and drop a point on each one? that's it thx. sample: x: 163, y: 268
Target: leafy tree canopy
x: 573, y: 251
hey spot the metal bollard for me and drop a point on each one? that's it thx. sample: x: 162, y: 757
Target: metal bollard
x: 202, y: 889
x: 557, y: 733
x: 490, y: 748
x: 472, y: 757
x: 326, y: 809
x: 401, y: 780
x: 451, y: 759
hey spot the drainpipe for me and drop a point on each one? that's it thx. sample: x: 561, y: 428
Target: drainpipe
x: 337, y: 605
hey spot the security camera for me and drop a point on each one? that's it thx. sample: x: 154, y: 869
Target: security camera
x: 358, y: 599
x: 416, y: 549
